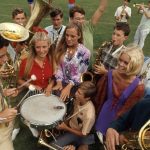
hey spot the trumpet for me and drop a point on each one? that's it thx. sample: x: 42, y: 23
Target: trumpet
x: 138, y: 5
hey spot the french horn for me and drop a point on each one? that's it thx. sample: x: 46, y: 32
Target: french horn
x: 138, y: 140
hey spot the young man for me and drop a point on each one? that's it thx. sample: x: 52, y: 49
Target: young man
x: 56, y: 30
x: 144, y: 27
x: 123, y: 13
x: 77, y: 15
x: 17, y: 49
x: 82, y: 120
x: 6, y: 114
x: 110, y: 51
x: 19, y: 16
x: 133, y: 120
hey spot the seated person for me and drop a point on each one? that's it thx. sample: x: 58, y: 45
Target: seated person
x: 82, y: 120
x: 119, y: 89
x: 72, y: 58
x: 132, y: 120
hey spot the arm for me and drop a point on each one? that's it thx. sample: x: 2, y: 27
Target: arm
x: 144, y: 11
x: 98, y: 13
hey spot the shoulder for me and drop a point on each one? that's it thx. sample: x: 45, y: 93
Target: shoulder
x: 49, y: 28
x: 82, y: 48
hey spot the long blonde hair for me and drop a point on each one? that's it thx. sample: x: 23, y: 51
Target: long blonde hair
x: 38, y: 36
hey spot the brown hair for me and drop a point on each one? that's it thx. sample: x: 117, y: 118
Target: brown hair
x: 75, y: 9
x: 88, y: 88
x: 17, y: 11
x: 62, y: 46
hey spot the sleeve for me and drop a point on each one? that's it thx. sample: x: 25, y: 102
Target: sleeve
x: 85, y: 61
x: 129, y: 12
x: 59, y: 73
x: 116, y: 13
x: 22, y: 68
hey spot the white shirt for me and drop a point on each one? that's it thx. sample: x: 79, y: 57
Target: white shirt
x: 119, y: 11
x: 55, y: 34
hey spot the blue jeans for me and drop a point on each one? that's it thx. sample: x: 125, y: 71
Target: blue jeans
x: 70, y: 138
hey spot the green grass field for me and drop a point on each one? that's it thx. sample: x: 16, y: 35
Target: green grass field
x: 103, y: 32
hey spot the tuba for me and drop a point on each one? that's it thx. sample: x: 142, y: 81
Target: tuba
x: 140, y: 140
x: 40, y: 10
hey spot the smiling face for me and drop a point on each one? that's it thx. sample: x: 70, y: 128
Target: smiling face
x: 71, y: 37
x: 118, y: 37
x: 41, y: 48
x: 20, y: 19
x: 123, y: 62
x: 78, y: 18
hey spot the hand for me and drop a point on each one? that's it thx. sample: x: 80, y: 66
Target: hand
x: 58, y: 86
x: 48, y: 90
x: 100, y: 69
x: 62, y: 126
x: 112, y: 139
x: 65, y: 93
x: 8, y: 114
x: 10, y: 92
x: 123, y: 139
x: 69, y: 147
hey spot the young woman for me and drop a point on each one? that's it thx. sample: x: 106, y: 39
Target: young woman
x: 72, y: 58
x: 39, y: 62
x: 119, y: 89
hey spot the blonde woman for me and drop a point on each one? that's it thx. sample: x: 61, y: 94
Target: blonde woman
x: 119, y: 89
x: 39, y: 62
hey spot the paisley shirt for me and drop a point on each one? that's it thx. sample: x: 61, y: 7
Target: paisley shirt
x: 70, y: 69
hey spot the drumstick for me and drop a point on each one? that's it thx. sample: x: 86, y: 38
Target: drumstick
x: 33, y: 78
x: 75, y: 113
x: 58, y: 146
x: 31, y: 88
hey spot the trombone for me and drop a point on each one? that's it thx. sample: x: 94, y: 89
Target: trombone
x: 138, y: 5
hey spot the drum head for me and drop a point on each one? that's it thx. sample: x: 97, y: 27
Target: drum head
x: 40, y: 110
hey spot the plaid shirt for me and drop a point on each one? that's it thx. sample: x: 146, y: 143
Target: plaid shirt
x: 109, y: 57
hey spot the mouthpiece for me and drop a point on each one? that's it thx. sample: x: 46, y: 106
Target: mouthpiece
x: 33, y: 77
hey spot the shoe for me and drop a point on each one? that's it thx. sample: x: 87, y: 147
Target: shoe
x: 35, y: 132
x: 15, y: 133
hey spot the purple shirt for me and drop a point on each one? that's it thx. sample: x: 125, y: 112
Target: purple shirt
x: 70, y: 69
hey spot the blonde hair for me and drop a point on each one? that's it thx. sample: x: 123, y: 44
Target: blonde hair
x: 38, y: 36
x: 136, y: 59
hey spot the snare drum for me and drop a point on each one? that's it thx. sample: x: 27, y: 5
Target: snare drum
x: 43, y: 112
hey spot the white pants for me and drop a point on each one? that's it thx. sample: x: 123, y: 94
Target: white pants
x: 140, y: 36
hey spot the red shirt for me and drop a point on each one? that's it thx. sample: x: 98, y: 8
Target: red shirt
x: 43, y: 74
x: 71, y: 1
